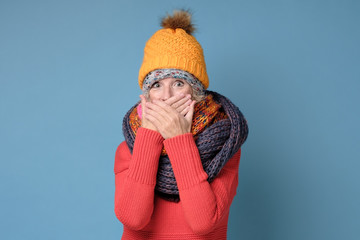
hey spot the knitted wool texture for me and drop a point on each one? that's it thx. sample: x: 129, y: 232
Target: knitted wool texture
x: 160, y: 74
x: 174, y: 48
x: 217, y: 143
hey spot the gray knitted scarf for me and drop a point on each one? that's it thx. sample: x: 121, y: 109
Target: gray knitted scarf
x: 216, y: 145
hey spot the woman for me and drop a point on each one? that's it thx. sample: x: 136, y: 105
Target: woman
x: 176, y: 173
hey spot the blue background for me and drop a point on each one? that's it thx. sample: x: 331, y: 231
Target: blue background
x: 68, y: 72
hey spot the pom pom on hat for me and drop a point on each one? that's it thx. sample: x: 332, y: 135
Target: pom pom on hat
x: 179, y: 19
x: 175, y: 47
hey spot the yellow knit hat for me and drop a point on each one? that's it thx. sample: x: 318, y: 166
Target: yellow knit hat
x: 175, y: 47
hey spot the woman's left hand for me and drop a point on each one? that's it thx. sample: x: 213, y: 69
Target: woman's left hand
x: 167, y: 120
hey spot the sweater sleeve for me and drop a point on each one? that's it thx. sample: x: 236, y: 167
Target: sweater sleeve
x: 135, y: 178
x: 203, y: 204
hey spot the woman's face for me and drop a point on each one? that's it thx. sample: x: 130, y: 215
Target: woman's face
x: 168, y: 87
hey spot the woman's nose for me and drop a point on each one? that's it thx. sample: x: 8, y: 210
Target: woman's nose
x: 167, y: 93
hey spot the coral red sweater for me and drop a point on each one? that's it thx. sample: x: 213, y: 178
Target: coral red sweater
x: 203, y: 209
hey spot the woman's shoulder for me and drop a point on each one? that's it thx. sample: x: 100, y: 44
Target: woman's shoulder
x: 233, y: 163
x: 122, y: 147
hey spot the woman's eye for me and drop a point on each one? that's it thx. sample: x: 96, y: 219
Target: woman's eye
x: 179, y: 83
x: 155, y: 85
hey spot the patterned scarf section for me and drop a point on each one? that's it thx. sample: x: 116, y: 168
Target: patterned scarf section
x: 219, y: 130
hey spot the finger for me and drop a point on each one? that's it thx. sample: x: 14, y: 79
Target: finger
x: 154, y: 121
x: 183, y: 106
x: 190, y: 114
x: 157, y: 120
x: 158, y: 109
x: 185, y: 111
x: 181, y: 101
x: 174, y: 99
x: 142, y: 98
x: 160, y: 112
x: 143, y: 104
x: 164, y: 106
x: 155, y: 114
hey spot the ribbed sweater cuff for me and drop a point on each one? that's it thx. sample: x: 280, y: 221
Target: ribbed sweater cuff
x: 185, y: 160
x: 145, y: 158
